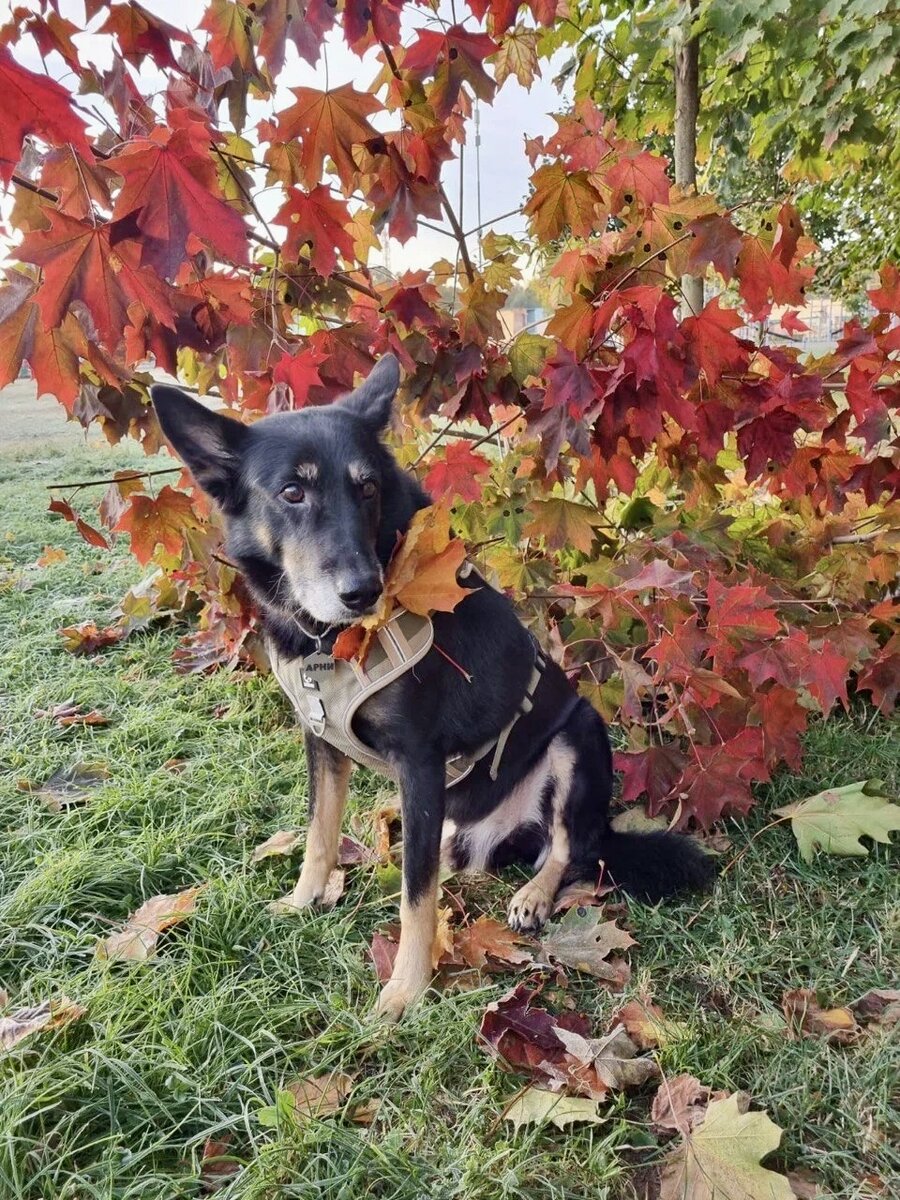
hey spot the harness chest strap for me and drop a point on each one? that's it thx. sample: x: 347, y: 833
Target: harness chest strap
x: 327, y: 692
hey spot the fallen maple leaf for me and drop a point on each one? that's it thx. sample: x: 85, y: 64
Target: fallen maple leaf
x: 835, y: 820
x: 51, y: 555
x: 216, y: 1164
x: 86, y: 638
x: 136, y: 942
x: 806, y: 1018
x: 489, y: 939
x: 881, y: 1007
x: 282, y: 843
x: 352, y: 853
x: 721, y: 1158
x: 69, y: 713
x: 680, y: 1104
x: 645, y: 1023
x: 613, y: 1059
x: 68, y: 786
x: 49, y: 1014
x: 583, y: 941
x: 319, y: 1097
x: 537, y: 1106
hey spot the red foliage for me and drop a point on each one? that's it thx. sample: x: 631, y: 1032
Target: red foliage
x: 706, y: 520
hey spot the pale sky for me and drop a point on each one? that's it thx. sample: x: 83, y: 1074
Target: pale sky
x: 515, y: 114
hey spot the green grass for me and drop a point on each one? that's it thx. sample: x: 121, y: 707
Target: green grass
x: 238, y: 1002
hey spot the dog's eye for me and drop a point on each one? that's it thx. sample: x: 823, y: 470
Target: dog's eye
x: 293, y: 493
x: 369, y: 489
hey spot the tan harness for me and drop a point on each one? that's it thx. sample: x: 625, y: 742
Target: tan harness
x: 327, y: 692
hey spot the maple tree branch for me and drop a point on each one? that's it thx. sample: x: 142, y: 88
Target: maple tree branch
x: 83, y: 483
x: 444, y: 198
x: 513, y: 212
x: 458, y: 234
x: 33, y: 187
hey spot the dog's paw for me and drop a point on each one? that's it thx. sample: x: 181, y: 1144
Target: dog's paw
x: 529, y: 908
x: 312, y: 890
x: 397, y: 996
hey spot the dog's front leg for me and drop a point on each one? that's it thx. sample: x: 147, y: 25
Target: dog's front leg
x: 329, y: 776
x: 422, y: 804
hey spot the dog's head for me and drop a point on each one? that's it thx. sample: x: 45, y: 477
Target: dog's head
x: 312, y: 499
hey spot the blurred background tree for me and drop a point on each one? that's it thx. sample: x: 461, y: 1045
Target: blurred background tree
x: 792, y: 96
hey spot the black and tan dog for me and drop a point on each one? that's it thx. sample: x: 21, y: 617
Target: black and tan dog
x: 314, y: 505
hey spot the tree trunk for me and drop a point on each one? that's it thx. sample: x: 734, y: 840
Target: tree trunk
x: 687, y: 105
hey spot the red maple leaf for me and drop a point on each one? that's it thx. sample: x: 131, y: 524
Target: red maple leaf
x: 887, y: 297
x: 369, y: 22
x: 141, y: 34
x: 568, y: 383
x: 655, y: 771
x: 768, y: 441
x: 638, y: 178
x: 713, y: 345
x: 741, y: 611
x: 714, y: 239
x: 783, y: 719
x: 719, y: 781
x: 881, y: 677
x: 329, y: 125
x: 170, y: 183
x: 457, y: 474
x: 34, y: 104
x: 791, y: 323
x: 300, y: 372
x: 453, y: 57
x: 768, y: 661
x: 316, y: 219
x: 91, y: 535
x: 80, y: 264
x: 157, y: 520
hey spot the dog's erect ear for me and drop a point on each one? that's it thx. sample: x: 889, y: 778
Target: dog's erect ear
x: 373, y: 400
x: 209, y: 444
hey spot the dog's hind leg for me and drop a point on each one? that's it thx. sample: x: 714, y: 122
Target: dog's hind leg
x: 422, y: 797
x: 533, y: 902
x: 329, y: 776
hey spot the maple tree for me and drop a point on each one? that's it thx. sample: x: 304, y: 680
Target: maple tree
x: 701, y: 526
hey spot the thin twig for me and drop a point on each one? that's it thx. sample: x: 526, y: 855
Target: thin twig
x: 83, y: 483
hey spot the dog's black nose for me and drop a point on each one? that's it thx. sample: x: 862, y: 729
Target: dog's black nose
x: 361, y: 594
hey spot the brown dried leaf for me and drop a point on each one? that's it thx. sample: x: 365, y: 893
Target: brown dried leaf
x: 680, y: 1104
x: 69, y: 713
x: 613, y: 1058
x: 645, y: 1023
x: 49, y: 1014
x: 216, y: 1165
x: 806, y: 1018
x: 136, y: 942
x: 280, y: 844
x: 352, y: 853
x: 879, y: 1007
x: 68, y: 786
x: 487, y: 938
x: 320, y: 1097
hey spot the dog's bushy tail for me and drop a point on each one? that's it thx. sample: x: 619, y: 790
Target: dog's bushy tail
x: 649, y: 866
